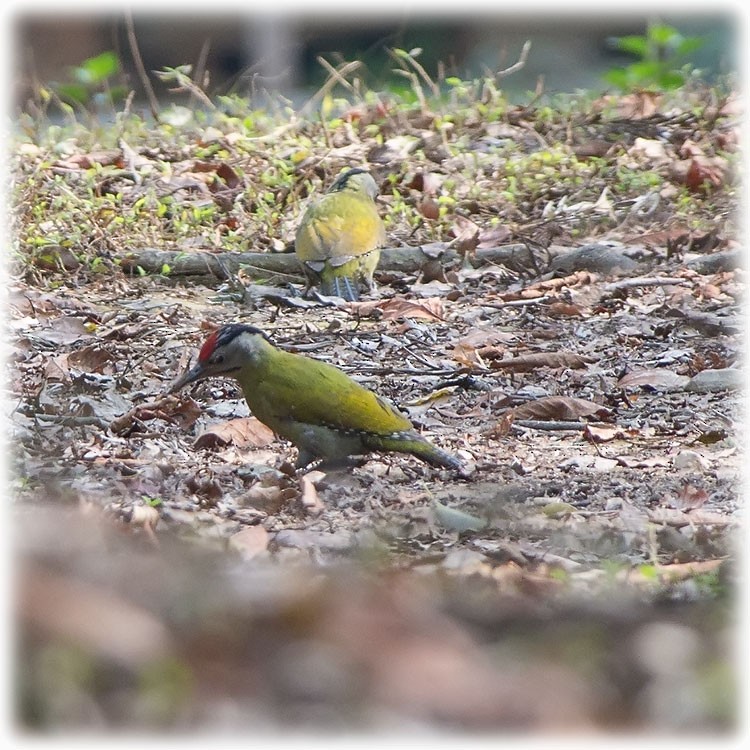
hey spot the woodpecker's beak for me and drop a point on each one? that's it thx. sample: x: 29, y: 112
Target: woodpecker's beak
x: 189, y: 376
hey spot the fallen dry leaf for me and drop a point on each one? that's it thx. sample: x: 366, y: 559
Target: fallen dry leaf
x: 100, y: 620
x: 656, y: 378
x: 467, y: 355
x: 561, y: 407
x: 709, y: 518
x: 502, y: 428
x: 92, y: 359
x: 688, y: 498
x: 544, y: 287
x: 398, y: 307
x: 636, y: 106
x: 529, y: 362
x: 175, y: 409
x: 699, y: 171
x: 241, y: 432
x: 564, y: 310
x: 466, y: 234
x: 597, y: 434
x: 250, y: 542
x: 79, y: 162
x: 668, y: 516
x: 704, y: 173
x: 494, y: 236
x: 58, y: 369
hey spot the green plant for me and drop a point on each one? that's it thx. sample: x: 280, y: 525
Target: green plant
x: 660, y: 52
x: 92, y: 82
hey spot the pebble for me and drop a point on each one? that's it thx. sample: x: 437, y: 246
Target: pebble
x: 689, y: 460
x: 711, y: 381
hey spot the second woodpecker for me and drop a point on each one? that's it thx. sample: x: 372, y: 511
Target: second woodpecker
x: 339, y: 238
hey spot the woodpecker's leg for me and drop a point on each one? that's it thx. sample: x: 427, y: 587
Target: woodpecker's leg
x: 304, y: 458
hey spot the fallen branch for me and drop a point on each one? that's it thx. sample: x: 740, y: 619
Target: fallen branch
x: 71, y: 420
x: 222, y: 265
x: 543, y: 424
x: 516, y: 302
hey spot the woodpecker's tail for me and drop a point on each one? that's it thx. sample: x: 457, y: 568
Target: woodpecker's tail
x: 340, y: 286
x: 412, y: 442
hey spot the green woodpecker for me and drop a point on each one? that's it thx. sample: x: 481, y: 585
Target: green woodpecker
x: 339, y: 238
x: 324, y: 412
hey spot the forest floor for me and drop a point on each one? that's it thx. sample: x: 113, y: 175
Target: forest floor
x: 176, y: 573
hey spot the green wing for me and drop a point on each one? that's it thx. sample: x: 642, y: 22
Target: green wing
x: 305, y: 390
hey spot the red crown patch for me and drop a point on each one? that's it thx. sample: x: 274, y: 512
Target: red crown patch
x: 208, y: 347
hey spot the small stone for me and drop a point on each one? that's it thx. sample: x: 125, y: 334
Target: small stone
x: 689, y: 460
x: 712, y: 381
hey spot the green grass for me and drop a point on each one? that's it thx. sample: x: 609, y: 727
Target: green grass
x: 498, y: 164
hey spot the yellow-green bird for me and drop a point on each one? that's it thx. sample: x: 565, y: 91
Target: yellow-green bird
x: 316, y: 406
x: 339, y: 238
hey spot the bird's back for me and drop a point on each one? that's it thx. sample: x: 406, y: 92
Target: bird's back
x: 327, y: 232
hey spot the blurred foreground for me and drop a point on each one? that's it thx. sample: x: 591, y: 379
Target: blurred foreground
x: 118, y: 631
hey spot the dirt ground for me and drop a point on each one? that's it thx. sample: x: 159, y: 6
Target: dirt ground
x: 176, y: 574
x: 604, y: 465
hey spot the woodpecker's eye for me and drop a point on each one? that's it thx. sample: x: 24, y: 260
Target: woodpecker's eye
x: 217, y: 359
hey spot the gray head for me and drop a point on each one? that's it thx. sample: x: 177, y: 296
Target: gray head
x: 357, y: 180
x: 225, y: 352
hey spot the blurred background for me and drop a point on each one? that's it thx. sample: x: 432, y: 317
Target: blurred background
x: 243, y: 52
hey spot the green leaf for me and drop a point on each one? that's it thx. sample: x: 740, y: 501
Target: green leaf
x: 636, y: 45
x: 73, y: 92
x: 645, y: 71
x: 672, y: 79
x: 617, y: 77
x: 97, y: 69
x: 662, y: 34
